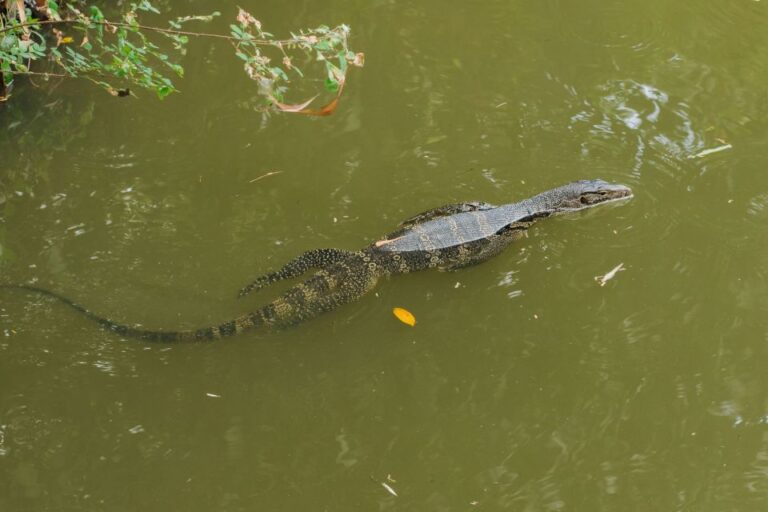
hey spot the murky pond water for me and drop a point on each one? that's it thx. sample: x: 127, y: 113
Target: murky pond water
x: 523, y: 386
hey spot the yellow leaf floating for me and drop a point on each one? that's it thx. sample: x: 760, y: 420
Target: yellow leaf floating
x: 404, y: 316
x: 67, y: 40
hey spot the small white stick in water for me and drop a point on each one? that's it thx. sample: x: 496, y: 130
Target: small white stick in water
x: 270, y: 173
x: 389, y: 489
x: 601, y: 280
x: 706, y: 152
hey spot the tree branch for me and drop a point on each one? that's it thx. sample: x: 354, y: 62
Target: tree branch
x: 143, y: 27
x: 56, y: 75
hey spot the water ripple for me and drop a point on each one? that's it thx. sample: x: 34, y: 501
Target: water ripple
x: 614, y: 25
x: 716, y: 20
x: 655, y: 131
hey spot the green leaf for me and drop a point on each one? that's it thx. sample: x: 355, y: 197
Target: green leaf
x: 279, y: 72
x: 96, y: 14
x: 332, y: 70
x: 163, y: 91
x: 331, y: 85
x: 238, y: 33
x: 146, y: 6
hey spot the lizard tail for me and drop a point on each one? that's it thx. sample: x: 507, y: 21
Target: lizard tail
x: 317, y: 295
x: 206, y: 333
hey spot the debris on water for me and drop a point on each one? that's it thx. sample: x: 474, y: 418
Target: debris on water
x: 213, y: 395
x: 136, y: 429
x: 435, y: 139
x: 389, y: 489
x: 706, y: 152
x: 457, y: 284
x: 601, y: 280
x: 385, y: 485
x: 404, y: 316
x: 296, y: 108
x: 326, y: 110
x: 75, y: 227
x: 270, y: 173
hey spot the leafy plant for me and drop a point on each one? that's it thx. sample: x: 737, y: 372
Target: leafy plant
x: 324, y: 44
x: 116, y: 54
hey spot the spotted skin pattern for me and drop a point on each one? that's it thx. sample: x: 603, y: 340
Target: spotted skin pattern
x: 446, y: 238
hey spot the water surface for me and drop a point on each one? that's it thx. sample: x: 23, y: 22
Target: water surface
x: 524, y: 385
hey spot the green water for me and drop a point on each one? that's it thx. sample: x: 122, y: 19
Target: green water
x: 524, y: 385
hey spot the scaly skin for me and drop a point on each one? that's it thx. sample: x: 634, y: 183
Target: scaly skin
x: 447, y: 238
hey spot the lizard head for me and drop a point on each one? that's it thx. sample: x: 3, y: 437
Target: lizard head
x: 586, y: 193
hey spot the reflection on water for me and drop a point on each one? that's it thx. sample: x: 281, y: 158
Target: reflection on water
x: 641, y: 117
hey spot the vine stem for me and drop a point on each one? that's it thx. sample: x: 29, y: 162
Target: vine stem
x: 41, y: 73
x: 144, y: 27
